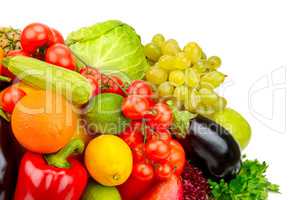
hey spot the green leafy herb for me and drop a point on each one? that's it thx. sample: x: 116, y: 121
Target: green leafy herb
x: 251, y: 183
x: 181, y: 120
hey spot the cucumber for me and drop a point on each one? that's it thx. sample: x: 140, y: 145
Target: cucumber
x: 36, y: 73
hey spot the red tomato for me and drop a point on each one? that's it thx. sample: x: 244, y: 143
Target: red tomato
x: 10, y: 97
x: 19, y: 52
x: 157, y: 150
x: 162, y: 134
x: 55, y: 37
x: 176, y: 158
x: 139, y: 87
x: 161, y: 117
x: 60, y: 55
x: 90, y: 71
x: 132, y: 135
x: 163, y: 172
x: 34, y: 36
x: 94, y: 84
x: 143, y: 171
x: 111, y: 85
x: 135, y: 107
x: 139, y: 153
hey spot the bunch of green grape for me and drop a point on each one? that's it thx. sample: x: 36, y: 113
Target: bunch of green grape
x: 186, y: 75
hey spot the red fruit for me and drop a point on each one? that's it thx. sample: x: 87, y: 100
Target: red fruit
x: 88, y: 71
x: 162, y: 134
x: 177, y: 157
x: 171, y: 189
x: 163, y: 172
x: 18, y: 53
x: 143, y: 171
x: 139, y: 153
x: 60, y: 55
x: 139, y: 87
x: 157, y: 150
x: 161, y: 117
x: 134, y: 188
x: 55, y: 37
x: 34, y: 36
x: 132, y: 135
x: 135, y: 107
x: 10, y: 98
x: 112, y: 84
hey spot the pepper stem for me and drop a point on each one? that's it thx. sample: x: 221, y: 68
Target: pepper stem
x: 59, y: 159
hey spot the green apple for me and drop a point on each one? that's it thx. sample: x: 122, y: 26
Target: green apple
x: 95, y: 191
x: 236, y: 124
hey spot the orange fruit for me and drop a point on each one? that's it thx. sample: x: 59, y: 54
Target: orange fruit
x: 43, y: 122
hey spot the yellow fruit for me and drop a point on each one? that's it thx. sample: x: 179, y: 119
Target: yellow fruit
x: 108, y: 159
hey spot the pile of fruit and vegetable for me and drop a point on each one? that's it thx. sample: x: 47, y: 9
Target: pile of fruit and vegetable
x: 100, y: 116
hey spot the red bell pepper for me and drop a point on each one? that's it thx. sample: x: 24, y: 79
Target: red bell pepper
x: 53, y: 177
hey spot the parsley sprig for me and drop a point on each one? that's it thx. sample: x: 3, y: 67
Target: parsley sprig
x: 250, y: 184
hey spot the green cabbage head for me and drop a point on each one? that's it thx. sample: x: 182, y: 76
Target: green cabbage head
x: 112, y: 46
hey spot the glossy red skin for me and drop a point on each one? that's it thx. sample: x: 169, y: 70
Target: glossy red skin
x: 10, y: 97
x: 177, y: 157
x: 34, y: 36
x: 171, y: 189
x: 157, y: 150
x: 162, y: 116
x: 132, y: 135
x: 134, y: 188
x: 88, y: 71
x: 55, y: 37
x: 161, y: 134
x: 111, y: 85
x: 134, y: 107
x: 143, y: 171
x: 60, y: 55
x: 37, y: 180
x: 139, y: 87
x: 163, y: 172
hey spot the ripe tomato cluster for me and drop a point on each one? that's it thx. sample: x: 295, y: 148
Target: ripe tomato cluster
x: 156, y: 154
x: 102, y: 83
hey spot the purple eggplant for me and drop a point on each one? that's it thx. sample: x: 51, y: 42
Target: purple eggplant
x: 212, y: 148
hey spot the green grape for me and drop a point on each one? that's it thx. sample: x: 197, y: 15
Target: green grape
x: 156, y: 75
x: 166, y: 62
x: 220, y: 104
x: 165, y: 89
x: 208, y: 96
x: 214, y: 62
x: 192, y: 77
x: 170, y: 47
x: 181, y: 93
x: 193, y: 101
x: 205, y: 110
x: 177, y: 77
x: 152, y: 51
x: 201, y: 66
x: 212, y: 79
x: 181, y: 61
x: 193, y: 52
x: 158, y: 40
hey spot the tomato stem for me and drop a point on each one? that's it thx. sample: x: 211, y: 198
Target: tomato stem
x: 5, y: 79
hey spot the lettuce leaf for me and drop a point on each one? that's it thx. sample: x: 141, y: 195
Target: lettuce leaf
x: 112, y: 46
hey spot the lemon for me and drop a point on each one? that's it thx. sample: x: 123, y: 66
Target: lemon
x: 109, y: 160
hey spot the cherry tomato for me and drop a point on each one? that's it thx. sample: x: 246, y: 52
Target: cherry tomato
x: 111, y: 85
x: 10, y: 97
x: 157, y: 150
x: 139, y: 87
x: 55, y: 37
x: 143, y: 171
x: 34, y: 36
x: 94, y: 84
x: 132, y: 135
x: 163, y: 171
x: 90, y: 71
x: 19, y: 52
x: 161, y: 117
x: 135, y: 107
x: 162, y: 134
x: 60, y: 55
x: 176, y: 158
x: 139, y: 153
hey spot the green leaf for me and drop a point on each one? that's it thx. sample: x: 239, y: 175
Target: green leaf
x: 3, y: 115
x: 5, y: 79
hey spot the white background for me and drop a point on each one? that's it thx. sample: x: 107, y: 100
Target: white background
x: 255, y: 39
